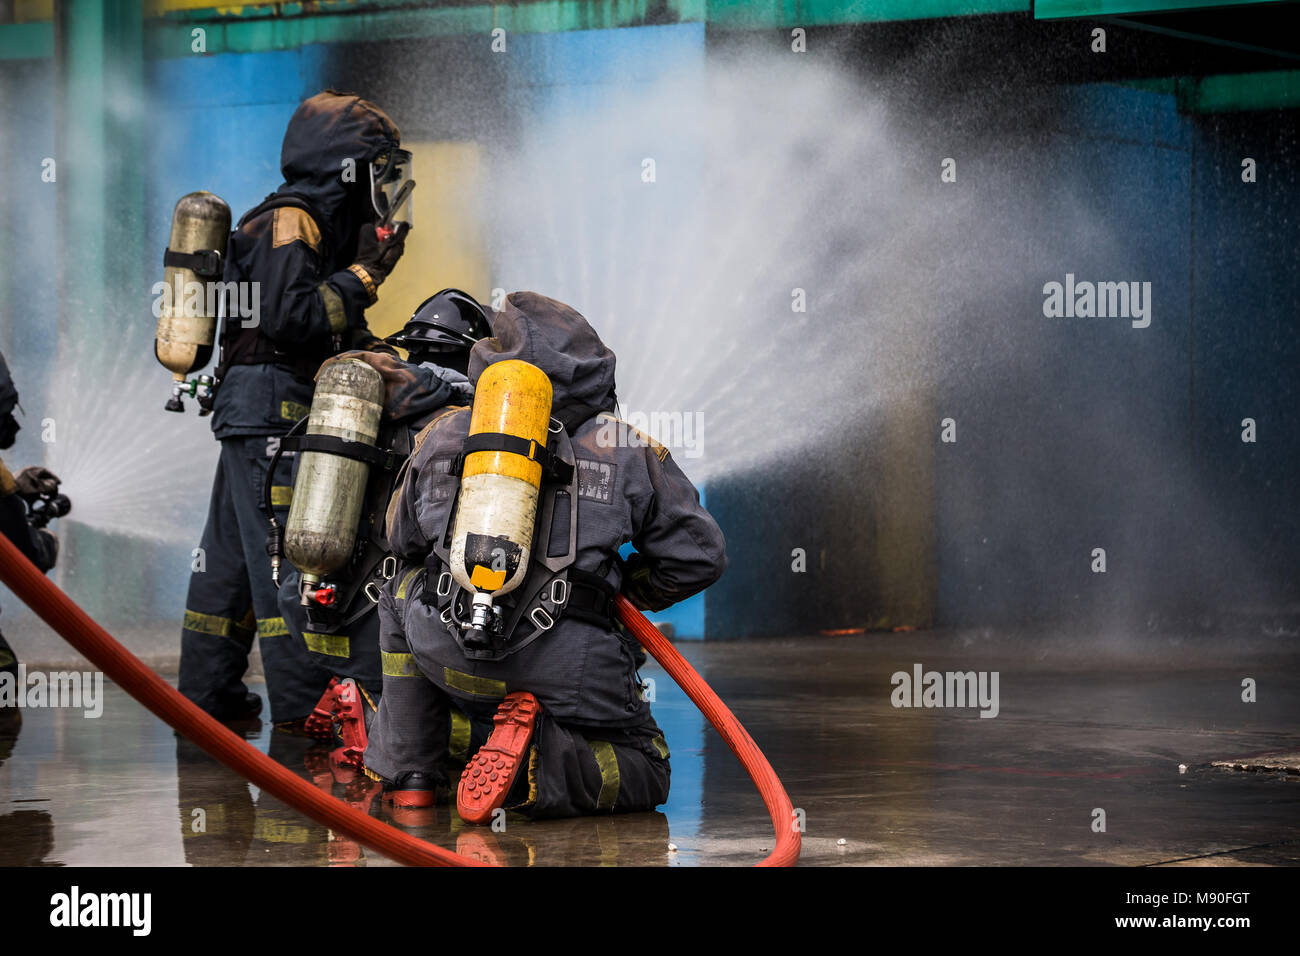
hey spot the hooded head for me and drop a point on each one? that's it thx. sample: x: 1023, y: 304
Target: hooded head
x: 558, y: 340
x: 8, y: 401
x: 325, y: 132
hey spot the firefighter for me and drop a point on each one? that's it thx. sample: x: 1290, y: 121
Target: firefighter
x: 311, y: 258
x: 344, y: 636
x: 533, y: 705
x: 17, y: 493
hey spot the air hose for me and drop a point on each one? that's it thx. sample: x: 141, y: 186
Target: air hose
x: 126, y: 670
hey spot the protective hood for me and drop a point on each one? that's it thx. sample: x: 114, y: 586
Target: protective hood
x: 325, y: 131
x: 558, y: 340
x: 8, y: 393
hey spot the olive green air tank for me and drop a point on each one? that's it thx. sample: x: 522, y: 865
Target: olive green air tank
x: 329, y: 491
x: 185, y: 336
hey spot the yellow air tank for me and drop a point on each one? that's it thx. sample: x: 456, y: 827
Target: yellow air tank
x: 187, y: 321
x: 496, y: 508
x: 330, y: 490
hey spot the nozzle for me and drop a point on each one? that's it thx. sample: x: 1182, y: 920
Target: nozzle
x: 46, y: 508
x: 175, y: 404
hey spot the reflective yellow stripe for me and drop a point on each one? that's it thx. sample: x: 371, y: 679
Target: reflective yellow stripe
x: 273, y: 831
x: 335, y: 645
x: 469, y: 684
x: 607, y: 760
x: 6, y: 658
x: 281, y: 496
x: 459, y: 743
x: 366, y: 281
x: 208, y: 623
x: 292, y: 411
x: 271, y: 627
x: 334, y: 310
x: 406, y: 580
x: 399, y: 665
x: 661, y: 745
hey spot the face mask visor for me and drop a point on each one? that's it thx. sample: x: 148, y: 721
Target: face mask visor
x: 391, y: 188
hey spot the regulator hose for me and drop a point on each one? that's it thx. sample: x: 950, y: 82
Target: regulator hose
x: 126, y: 670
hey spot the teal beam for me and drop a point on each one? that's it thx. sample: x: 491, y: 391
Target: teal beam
x: 1236, y: 93
x: 27, y: 41
x: 260, y: 28
x: 783, y: 14
x: 1229, y: 93
x: 173, y: 36
x: 255, y: 28
x: 1060, y: 9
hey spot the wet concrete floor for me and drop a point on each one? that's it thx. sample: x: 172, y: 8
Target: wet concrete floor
x: 1083, y: 725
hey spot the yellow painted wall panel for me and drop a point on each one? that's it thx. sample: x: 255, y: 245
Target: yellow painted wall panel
x: 447, y: 245
x: 30, y: 11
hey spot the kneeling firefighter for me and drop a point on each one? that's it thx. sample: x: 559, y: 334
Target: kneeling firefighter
x: 333, y: 550
x: 299, y: 271
x: 502, y: 660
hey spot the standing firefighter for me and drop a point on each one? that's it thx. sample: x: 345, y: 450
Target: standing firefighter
x: 300, y: 270
x: 498, y: 637
x: 343, y: 635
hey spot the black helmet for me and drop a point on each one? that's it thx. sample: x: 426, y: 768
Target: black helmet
x: 447, y: 321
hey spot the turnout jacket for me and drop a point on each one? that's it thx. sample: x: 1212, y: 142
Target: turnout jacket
x: 629, y: 489
x: 297, y: 250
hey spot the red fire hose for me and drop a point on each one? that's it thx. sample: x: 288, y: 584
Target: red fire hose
x: 786, y: 850
x: 169, y: 705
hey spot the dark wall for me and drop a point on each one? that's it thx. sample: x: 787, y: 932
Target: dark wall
x: 1072, y: 433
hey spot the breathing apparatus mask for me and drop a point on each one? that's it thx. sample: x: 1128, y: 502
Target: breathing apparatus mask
x: 391, y: 186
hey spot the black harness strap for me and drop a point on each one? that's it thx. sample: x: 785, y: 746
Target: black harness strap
x: 553, y: 467
x: 591, y: 598
x: 206, y: 263
x: 388, y: 460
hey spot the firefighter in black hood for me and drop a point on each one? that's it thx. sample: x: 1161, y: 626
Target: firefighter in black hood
x: 551, y: 718
x: 16, y: 493
x: 310, y: 260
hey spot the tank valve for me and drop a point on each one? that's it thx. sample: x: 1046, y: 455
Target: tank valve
x: 200, y: 388
x: 325, y: 595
